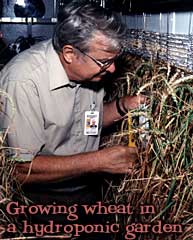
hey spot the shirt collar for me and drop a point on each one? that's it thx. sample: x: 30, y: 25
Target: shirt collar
x: 57, y: 74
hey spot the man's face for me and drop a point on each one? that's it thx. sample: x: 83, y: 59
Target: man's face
x: 94, y: 64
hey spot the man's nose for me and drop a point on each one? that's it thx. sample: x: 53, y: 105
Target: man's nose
x: 111, y: 68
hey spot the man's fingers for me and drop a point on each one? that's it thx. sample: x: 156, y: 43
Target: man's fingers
x: 142, y: 99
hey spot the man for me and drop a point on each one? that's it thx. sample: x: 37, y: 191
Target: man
x: 57, y: 90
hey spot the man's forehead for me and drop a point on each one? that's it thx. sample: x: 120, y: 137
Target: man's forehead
x: 103, y: 43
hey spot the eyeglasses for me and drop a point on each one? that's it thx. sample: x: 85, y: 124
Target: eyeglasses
x: 103, y: 64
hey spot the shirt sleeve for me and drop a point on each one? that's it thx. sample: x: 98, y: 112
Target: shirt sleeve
x: 24, y: 120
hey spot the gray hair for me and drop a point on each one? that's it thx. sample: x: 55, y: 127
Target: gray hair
x: 78, y: 23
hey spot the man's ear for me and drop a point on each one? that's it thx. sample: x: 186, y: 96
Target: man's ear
x: 68, y: 53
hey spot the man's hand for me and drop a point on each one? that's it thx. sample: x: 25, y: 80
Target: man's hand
x: 117, y: 159
x: 131, y: 102
x: 111, y: 112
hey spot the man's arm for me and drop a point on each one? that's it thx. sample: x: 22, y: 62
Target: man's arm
x: 111, y: 113
x: 44, y: 169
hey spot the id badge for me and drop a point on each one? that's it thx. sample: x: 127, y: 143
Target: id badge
x: 91, y: 125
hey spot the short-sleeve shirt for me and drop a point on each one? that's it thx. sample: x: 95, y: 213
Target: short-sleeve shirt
x: 48, y: 110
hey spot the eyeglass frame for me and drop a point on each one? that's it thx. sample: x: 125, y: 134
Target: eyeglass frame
x: 107, y: 63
